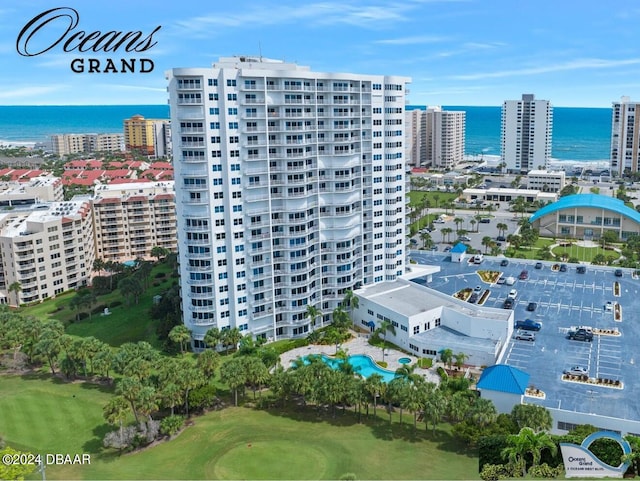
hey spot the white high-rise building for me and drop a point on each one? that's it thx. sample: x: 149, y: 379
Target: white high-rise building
x: 526, y: 133
x: 290, y: 190
x: 445, y: 137
x: 625, y: 137
x: 435, y: 137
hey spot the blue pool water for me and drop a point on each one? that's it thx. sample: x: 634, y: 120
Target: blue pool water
x: 362, y: 364
x: 404, y: 360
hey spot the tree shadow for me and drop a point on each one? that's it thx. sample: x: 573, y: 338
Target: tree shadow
x: 94, y: 445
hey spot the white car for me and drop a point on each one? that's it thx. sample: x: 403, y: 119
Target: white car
x: 512, y: 294
x: 608, y: 306
x: 577, y: 371
x: 525, y: 336
x: 510, y: 281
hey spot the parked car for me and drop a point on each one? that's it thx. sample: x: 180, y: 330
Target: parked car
x: 581, y: 269
x: 477, y: 289
x: 446, y: 249
x: 434, y: 248
x: 439, y: 221
x: 473, y: 297
x: 524, y: 275
x: 618, y: 272
x: 577, y: 371
x: 501, y: 280
x: 525, y: 336
x: 501, y: 238
x: 538, y: 265
x: 580, y: 334
x: 478, y: 258
x: 608, y: 306
x: 504, y: 263
x: 464, y: 238
x: 510, y: 281
x: 528, y: 325
x: 512, y: 294
x: 532, y: 306
x: 485, y: 220
x: 413, y: 241
x: 508, y: 304
x: 563, y: 267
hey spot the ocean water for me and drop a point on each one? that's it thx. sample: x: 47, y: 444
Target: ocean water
x: 580, y: 134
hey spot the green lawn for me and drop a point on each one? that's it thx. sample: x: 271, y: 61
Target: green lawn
x: 585, y: 253
x: 47, y: 416
x: 416, y: 196
x: 127, y: 323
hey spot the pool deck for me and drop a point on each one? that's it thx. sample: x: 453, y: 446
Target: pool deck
x: 359, y: 344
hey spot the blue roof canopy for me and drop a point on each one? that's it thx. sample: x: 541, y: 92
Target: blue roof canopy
x: 588, y: 200
x: 503, y: 378
x: 459, y: 248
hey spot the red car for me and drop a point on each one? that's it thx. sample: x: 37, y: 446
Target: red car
x: 524, y: 275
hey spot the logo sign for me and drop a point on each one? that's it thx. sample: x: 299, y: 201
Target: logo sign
x: 59, y: 28
x: 579, y: 462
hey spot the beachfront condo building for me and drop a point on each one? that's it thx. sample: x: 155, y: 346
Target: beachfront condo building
x: 45, y: 249
x: 435, y: 137
x: 625, y: 137
x: 131, y: 219
x: 526, y: 127
x: 290, y: 190
x: 151, y: 137
x: 66, y: 144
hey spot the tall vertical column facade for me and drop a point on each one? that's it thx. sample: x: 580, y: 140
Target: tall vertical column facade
x: 625, y: 137
x: 435, y: 137
x: 289, y: 191
x: 526, y: 127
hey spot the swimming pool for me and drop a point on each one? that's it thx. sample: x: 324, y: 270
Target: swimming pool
x: 363, y: 365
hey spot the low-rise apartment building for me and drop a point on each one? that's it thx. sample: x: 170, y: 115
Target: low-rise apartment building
x: 66, y: 144
x: 45, y: 249
x: 546, y: 181
x: 131, y: 219
x: 44, y: 188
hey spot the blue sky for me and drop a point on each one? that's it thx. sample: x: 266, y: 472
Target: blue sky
x: 458, y: 52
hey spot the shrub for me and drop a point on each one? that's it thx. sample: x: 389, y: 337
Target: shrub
x: 425, y: 362
x: 116, y: 304
x: 544, y: 471
x: 82, y: 316
x: 203, y: 397
x: 442, y: 373
x: 171, y: 425
x: 492, y: 472
x: 160, y: 275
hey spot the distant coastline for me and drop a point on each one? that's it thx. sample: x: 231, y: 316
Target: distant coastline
x: 579, y: 134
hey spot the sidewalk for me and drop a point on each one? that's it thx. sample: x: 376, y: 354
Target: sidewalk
x: 358, y: 345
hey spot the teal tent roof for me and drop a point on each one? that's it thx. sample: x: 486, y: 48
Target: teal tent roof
x: 588, y: 200
x: 503, y: 378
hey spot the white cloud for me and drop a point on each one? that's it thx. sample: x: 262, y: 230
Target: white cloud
x: 413, y: 40
x: 582, y: 64
x: 30, y: 92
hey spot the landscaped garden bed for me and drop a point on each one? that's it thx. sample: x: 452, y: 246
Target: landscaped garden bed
x: 616, y: 289
x: 606, y: 332
x: 532, y: 391
x: 484, y: 297
x: 490, y: 277
x: 617, y: 312
x: 602, y: 382
x: 463, y: 294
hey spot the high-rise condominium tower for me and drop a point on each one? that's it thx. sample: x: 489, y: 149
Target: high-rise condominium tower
x: 526, y: 133
x: 625, y: 137
x: 290, y: 190
x: 435, y: 137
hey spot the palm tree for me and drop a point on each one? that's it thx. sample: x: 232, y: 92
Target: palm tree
x: 208, y: 361
x: 212, y: 337
x: 181, y: 335
x: 446, y: 356
x: 351, y: 301
x: 486, y: 242
x: 473, y: 223
x: 458, y: 221
x: 532, y: 416
x: 502, y: 227
x: 312, y: 313
x: 233, y: 374
x: 527, y: 441
x: 115, y: 412
x: 426, y: 239
x: 459, y: 359
x: 447, y: 231
x: 385, y: 326
x: 15, y: 287
x: 374, y: 386
x: 231, y: 337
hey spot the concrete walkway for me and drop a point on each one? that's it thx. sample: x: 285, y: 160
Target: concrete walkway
x: 359, y: 344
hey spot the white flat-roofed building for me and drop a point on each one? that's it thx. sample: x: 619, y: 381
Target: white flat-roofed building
x: 499, y: 194
x: 526, y: 133
x: 290, y: 190
x: 427, y: 321
x: 45, y: 188
x: 546, y: 181
x: 131, y: 219
x: 47, y: 249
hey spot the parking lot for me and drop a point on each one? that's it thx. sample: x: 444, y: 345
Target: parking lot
x: 564, y: 299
